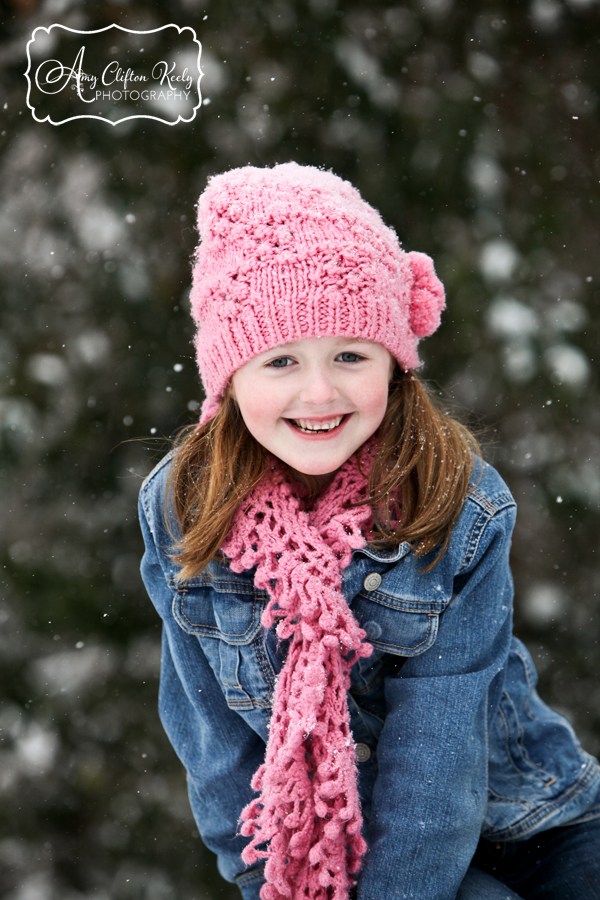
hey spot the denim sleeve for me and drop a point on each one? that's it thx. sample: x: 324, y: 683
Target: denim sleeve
x: 430, y: 794
x: 219, y: 750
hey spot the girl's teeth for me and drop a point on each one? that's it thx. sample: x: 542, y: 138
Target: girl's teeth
x: 306, y: 425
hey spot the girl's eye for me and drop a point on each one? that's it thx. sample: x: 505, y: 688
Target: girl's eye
x: 275, y: 362
x: 349, y: 353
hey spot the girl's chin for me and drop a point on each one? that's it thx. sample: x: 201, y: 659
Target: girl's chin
x: 323, y: 476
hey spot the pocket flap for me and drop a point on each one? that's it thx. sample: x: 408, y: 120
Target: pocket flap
x: 233, y: 617
x: 392, y: 629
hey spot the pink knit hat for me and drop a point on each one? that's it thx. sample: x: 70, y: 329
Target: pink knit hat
x: 292, y: 252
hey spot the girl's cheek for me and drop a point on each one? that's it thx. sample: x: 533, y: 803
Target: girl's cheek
x: 376, y: 400
x: 260, y: 409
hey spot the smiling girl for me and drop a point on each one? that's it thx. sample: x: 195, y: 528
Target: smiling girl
x: 329, y: 555
x: 294, y: 404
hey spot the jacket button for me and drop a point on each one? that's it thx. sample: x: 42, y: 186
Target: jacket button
x: 372, y: 581
x: 363, y: 752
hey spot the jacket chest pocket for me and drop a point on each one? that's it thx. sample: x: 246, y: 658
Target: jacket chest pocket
x: 393, y: 625
x: 224, y: 614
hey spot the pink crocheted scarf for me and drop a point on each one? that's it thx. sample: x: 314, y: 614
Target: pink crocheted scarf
x: 307, y: 821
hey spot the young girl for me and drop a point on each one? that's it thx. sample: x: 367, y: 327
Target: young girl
x: 330, y: 558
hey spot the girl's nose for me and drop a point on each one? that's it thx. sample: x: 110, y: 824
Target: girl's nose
x: 318, y: 388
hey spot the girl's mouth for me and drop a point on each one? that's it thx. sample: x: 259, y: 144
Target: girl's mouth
x: 318, y: 429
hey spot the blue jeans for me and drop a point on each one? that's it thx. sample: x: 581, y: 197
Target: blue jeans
x: 558, y: 864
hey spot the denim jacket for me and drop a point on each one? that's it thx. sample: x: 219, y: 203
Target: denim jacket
x: 453, y: 742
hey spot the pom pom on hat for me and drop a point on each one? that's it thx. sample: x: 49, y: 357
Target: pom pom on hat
x: 292, y: 252
x: 427, y: 298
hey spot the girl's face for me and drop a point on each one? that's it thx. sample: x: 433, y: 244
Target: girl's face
x: 334, y: 383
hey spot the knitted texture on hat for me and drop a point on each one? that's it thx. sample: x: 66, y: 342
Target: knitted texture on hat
x: 292, y: 252
x: 307, y: 821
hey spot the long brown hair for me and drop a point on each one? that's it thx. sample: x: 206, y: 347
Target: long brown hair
x: 424, y: 456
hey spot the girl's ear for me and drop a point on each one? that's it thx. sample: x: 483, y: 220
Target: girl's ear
x: 427, y: 297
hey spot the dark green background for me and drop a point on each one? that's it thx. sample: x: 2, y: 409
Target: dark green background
x: 474, y: 128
